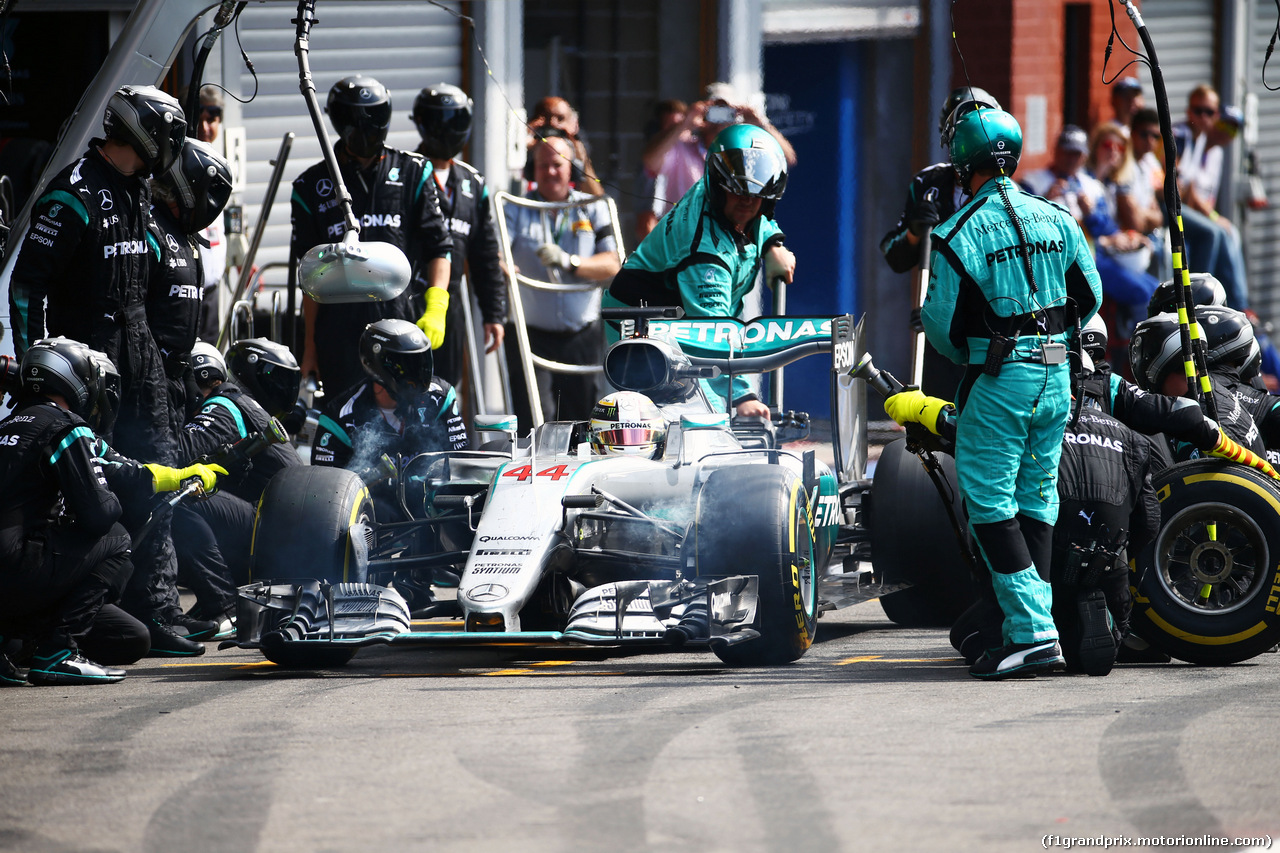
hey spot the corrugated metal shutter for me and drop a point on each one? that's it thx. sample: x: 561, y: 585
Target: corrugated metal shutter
x: 405, y: 45
x: 1185, y: 34
x: 1262, y: 228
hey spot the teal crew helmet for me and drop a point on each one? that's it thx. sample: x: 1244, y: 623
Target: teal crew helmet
x: 745, y: 160
x: 983, y: 140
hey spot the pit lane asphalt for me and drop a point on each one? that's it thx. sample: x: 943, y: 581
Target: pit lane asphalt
x: 876, y: 740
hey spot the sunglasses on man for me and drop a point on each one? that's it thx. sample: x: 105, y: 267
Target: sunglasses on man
x: 210, y: 113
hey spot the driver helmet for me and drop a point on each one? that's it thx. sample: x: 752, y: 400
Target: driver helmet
x: 103, y: 416
x: 964, y: 95
x: 1093, y: 338
x: 360, y: 109
x: 207, y: 364
x: 200, y: 181
x: 150, y: 121
x: 982, y: 139
x: 745, y: 160
x: 1155, y: 351
x: 397, y: 355
x: 268, y: 372
x: 627, y: 423
x: 1205, y: 290
x: 64, y: 367
x: 442, y: 114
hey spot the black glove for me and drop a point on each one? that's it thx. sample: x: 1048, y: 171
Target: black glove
x: 923, y: 215
x: 917, y: 325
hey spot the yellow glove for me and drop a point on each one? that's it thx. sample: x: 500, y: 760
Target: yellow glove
x: 168, y: 479
x: 432, y: 320
x: 914, y: 406
x: 1228, y: 449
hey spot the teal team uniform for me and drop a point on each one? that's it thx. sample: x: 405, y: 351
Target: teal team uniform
x: 1010, y: 426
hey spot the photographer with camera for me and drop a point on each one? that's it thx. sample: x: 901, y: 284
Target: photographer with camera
x: 677, y: 157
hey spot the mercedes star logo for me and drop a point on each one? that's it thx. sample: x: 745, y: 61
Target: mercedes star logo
x: 487, y: 592
x: 324, y: 187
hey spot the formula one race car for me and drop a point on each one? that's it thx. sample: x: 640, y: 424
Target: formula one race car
x: 725, y: 540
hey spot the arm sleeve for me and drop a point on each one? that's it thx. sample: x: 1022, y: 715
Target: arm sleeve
x: 433, y: 237
x: 895, y: 246
x: 82, y: 481
x: 59, y: 222
x: 210, y: 428
x: 939, y: 308
x: 303, y: 234
x: 1083, y: 283
x: 483, y: 257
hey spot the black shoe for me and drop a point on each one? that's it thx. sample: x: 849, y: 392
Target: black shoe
x: 193, y: 629
x: 1019, y: 660
x: 1097, y: 643
x: 166, y: 643
x: 1134, y: 649
x: 10, y: 675
x: 69, y: 666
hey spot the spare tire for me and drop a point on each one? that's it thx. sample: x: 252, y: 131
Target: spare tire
x: 313, y: 522
x: 1208, y: 588
x: 913, y: 541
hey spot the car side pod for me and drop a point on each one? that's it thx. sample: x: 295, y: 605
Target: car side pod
x: 352, y: 271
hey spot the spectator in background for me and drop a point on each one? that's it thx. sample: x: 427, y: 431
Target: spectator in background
x: 666, y: 115
x: 677, y: 157
x: 1126, y: 100
x: 555, y: 112
x: 1148, y: 171
x: 572, y: 246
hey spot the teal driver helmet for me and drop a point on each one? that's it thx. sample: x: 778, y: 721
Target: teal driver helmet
x: 745, y: 160
x: 983, y: 139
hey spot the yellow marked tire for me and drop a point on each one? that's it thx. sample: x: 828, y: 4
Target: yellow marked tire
x: 1208, y: 588
x: 755, y: 520
x: 304, y: 523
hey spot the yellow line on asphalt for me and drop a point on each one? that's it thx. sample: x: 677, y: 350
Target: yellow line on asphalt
x: 879, y: 659
x: 862, y: 659
x: 220, y: 663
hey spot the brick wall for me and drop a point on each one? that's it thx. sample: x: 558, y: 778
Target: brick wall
x: 1015, y: 49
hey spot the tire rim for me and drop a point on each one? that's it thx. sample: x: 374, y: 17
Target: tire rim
x: 1211, y: 558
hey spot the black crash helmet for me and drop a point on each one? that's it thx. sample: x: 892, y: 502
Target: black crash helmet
x: 397, y: 355
x: 268, y: 372
x: 442, y: 114
x: 64, y: 367
x: 360, y: 109
x: 1205, y: 290
x: 1229, y: 337
x: 149, y: 120
x: 200, y: 180
x: 962, y: 95
x: 1155, y: 351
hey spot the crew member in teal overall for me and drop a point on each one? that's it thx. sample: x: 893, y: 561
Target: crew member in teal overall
x: 706, y: 252
x: 1005, y: 271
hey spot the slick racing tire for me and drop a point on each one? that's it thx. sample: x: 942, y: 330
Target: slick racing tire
x: 755, y: 519
x: 309, y: 524
x: 1208, y: 588
x: 913, y: 541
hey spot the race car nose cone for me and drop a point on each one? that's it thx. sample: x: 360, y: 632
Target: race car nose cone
x: 351, y: 271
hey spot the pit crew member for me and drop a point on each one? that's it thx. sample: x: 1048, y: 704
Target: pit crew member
x: 707, y: 251
x: 401, y: 408
x: 395, y: 201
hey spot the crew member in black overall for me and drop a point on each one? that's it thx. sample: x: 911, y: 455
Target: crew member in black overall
x: 258, y: 380
x: 63, y: 553
x: 89, y: 252
x: 395, y: 200
x: 1234, y: 360
x: 188, y: 196
x: 933, y: 196
x: 442, y: 114
x: 401, y: 408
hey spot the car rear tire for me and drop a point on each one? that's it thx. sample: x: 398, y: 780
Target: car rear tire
x: 306, y: 524
x: 756, y: 519
x: 1208, y: 588
x: 912, y: 541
